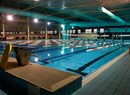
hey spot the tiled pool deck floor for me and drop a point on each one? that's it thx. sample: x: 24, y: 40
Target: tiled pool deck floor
x: 114, y: 80
x: 111, y: 79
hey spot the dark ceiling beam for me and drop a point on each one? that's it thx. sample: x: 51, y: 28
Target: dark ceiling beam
x: 98, y: 24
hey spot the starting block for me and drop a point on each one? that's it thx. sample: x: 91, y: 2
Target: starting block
x: 22, y: 54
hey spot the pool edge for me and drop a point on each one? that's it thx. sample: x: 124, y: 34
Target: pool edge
x: 102, y: 68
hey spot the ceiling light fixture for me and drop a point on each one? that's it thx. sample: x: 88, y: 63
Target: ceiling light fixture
x: 10, y: 17
x: 62, y: 25
x: 36, y: 20
x: 36, y: 0
x: 113, y: 16
x: 48, y: 23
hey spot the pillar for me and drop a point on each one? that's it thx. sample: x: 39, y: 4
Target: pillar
x: 28, y: 29
x: 3, y: 26
x: 59, y: 31
x: 46, y: 36
x: 64, y: 29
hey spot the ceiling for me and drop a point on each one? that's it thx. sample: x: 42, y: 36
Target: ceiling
x: 81, y: 13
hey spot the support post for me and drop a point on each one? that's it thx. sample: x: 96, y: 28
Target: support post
x: 112, y: 37
x: 28, y: 29
x: 59, y: 31
x: 46, y: 36
x: 104, y: 36
x: 3, y: 27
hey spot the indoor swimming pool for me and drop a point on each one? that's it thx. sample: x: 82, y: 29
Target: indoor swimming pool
x: 82, y: 57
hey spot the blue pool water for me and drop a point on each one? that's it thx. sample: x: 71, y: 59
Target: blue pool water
x: 82, y: 58
x: 75, y: 60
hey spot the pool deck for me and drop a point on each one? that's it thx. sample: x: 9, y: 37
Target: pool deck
x: 111, y: 79
x: 43, y: 79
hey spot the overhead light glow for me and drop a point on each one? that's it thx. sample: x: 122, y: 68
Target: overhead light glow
x: 72, y: 50
x: 48, y: 54
x: 63, y: 26
x: 104, y: 10
x: 63, y: 7
x: 48, y: 23
x: 36, y: 0
x: 36, y: 20
x: 10, y: 17
x: 62, y: 52
x: 72, y: 27
x: 36, y: 59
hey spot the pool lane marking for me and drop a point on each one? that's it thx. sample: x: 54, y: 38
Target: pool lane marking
x: 80, y: 69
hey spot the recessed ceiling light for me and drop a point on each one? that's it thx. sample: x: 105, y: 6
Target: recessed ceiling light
x: 62, y: 25
x: 10, y: 17
x: 63, y: 7
x: 48, y: 23
x: 36, y: 0
x: 35, y: 20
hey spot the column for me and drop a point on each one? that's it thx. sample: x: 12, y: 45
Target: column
x: 46, y: 32
x: 28, y: 29
x: 59, y: 31
x: 67, y: 33
x: 64, y: 30
x: 104, y: 36
x: 3, y: 27
x: 112, y: 37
